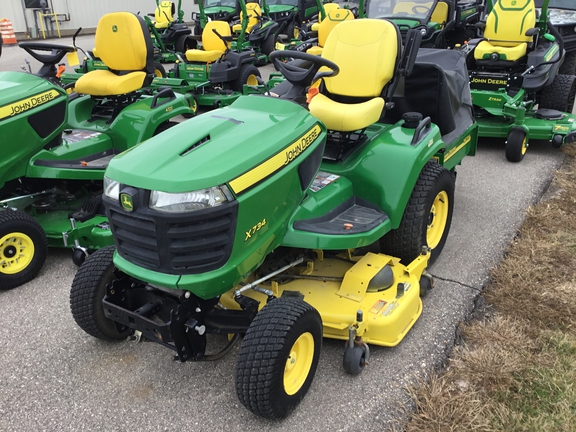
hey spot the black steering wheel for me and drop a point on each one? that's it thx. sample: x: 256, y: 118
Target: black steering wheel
x: 416, y: 9
x: 56, y: 52
x: 301, y: 73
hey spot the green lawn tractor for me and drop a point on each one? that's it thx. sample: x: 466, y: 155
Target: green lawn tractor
x: 55, y: 147
x: 170, y: 34
x: 215, y: 10
x: 443, y: 23
x: 283, y: 224
x: 516, y: 89
x: 291, y: 14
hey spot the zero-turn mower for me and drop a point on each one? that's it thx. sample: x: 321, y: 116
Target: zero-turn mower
x: 517, y: 91
x: 55, y: 147
x: 284, y: 224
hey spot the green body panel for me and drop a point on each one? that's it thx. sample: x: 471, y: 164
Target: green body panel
x: 19, y: 140
x: 90, y: 234
x: 382, y: 171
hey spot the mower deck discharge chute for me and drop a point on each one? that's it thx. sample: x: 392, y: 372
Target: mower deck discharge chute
x: 56, y: 147
x: 282, y: 224
x: 516, y: 88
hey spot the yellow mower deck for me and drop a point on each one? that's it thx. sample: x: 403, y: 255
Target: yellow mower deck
x: 339, y: 287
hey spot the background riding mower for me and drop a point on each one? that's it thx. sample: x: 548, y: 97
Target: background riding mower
x: 516, y: 89
x: 443, y: 23
x: 266, y: 229
x: 55, y: 148
x: 170, y: 34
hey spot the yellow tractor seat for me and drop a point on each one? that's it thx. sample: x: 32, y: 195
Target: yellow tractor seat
x: 214, y: 47
x: 254, y: 13
x: 505, y: 32
x: 366, y: 52
x: 124, y: 44
x: 333, y: 18
x: 440, y: 13
x: 164, y: 15
x: 327, y: 8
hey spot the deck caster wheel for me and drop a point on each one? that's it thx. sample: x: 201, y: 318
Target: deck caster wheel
x: 425, y: 285
x: 557, y: 141
x: 88, y: 290
x: 354, y: 359
x: 278, y: 357
x: 79, y: 256
x: 516, y: 145
x: 23, y: 248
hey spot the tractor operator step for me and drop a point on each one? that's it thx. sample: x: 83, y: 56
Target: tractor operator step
x: 98, y: 161
x: 351, y: 217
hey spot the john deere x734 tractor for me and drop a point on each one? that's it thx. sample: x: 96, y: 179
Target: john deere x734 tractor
x: 285, y: 224
x: 55, y: 148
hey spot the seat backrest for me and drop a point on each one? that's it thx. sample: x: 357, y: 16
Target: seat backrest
x: 333, y: 18
x: 408, y: 7
x: 508, y: 21
x: 327, y: 8
x: 123, y: 42
x: 366, y: 51
x: 440, y: 13
x: 164, y: 12
x: 253, y: 10
x: 210, y: 40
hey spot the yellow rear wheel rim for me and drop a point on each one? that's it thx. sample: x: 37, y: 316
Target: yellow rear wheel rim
x: 16, y: 253
x: 252, y: 80
x: 298, y: 363
x: 437, y: 219
x: 158, y: 73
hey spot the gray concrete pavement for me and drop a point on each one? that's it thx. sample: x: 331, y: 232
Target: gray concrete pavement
x: 53, y: 376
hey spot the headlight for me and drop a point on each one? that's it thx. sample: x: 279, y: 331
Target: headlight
x: 111, y: 188
x: 189, y: 201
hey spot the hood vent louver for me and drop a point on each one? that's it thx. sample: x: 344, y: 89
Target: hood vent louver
x: 195, y: 145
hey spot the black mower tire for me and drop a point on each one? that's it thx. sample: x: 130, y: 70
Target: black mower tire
x: 20, y: 236
x: 290, y: 31
x: 246, y: 74
x: 183, y: 44
x: 560, y: 94
x: 88, y: 290
x: 278, y: 357
x: 516, y: 144
x: 354, y: 359
x: 164, y: 127
x: 269, y: 44
x: 569, y: 65
x: 435, y: 186
x: 159, y: 70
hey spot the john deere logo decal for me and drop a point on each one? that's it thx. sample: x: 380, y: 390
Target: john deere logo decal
x: 115, y: 28
x: 126, y: 201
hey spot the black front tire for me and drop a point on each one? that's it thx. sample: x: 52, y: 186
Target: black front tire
x: 278, y: 357
x: 248, y: 75
x: 354, y: 359
x: 88, y: 290
x: 516, y: 145
x: 23, y: 248
x: 569, y: 65
x: 431, y: 203
x: 183, y: 44
x: 560, y: 94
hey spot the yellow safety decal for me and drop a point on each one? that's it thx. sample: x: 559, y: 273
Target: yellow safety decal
x: 455, y: 150
x: 27, y: 104
x: 276, y: 162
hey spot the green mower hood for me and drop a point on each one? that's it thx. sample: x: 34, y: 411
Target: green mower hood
x: 213, y: 148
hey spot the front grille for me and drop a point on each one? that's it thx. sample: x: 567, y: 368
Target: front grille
x: 182, y: 243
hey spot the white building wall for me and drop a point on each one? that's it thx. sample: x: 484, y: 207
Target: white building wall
x: 82, y: 13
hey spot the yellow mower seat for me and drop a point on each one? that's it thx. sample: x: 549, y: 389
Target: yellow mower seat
x: 327, y: 8
x: 333, y: 18
x: 254, y: 12
x: 366, y: 52
x: 214, y: 47
x: 505, y: 32
x: 440, y: 14
x: 124, y: 45
x: 164, y: 15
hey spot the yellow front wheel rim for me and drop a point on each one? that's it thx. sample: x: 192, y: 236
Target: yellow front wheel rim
x: 158, y: 73
x: 437, y: 219
x: 524, y: 146
x: 252, y: 80
x: 16, y: 252
x: 298, y: 363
